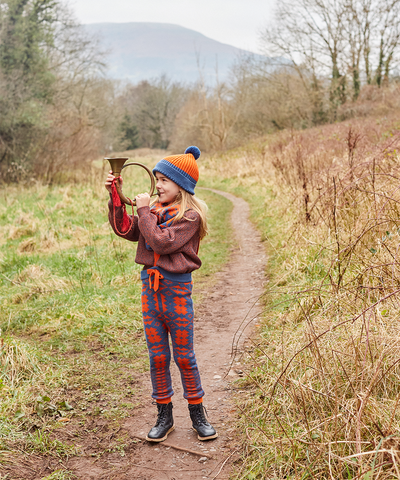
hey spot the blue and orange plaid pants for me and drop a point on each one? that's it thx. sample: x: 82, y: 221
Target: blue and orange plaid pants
x: 169, y: 312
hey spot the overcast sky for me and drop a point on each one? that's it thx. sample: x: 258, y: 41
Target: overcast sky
x: 236, y: 22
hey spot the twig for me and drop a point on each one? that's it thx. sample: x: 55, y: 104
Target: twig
x: 332, y: 328
x: 236, y: 347
x: 159, y: 469
x: 382, y: 450
x: 223, y: 465
x: 182, y: 449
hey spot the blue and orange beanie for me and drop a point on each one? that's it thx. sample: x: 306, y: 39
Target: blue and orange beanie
x: 181, y: 169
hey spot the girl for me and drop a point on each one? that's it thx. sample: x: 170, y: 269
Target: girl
x: 168, y: 231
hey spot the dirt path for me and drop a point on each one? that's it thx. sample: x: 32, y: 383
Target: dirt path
x: 218, y: 324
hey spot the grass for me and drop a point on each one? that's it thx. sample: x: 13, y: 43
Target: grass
x: 60, y: 475
x: 320, y: 394
x: 71, y: 343
x: 319, y: 398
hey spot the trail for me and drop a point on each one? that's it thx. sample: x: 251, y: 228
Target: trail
x: 227, y: 307
x: 217, y: 325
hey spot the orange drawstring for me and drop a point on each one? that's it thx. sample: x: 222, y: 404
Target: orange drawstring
x: 155, y: 272
x: 157, y: 276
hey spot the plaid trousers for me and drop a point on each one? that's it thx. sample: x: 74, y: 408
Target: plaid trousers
x: 169, y: 312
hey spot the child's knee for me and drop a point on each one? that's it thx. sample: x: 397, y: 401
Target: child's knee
x: 185, y: 363
x: 160, y: 360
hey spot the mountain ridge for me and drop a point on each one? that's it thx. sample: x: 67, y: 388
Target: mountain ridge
x: 145, y: 50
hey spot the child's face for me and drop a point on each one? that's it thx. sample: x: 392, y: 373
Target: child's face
x: 166, y: 188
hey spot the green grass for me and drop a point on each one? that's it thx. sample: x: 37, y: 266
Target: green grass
x: 215, y: 248
x: 70, y: 316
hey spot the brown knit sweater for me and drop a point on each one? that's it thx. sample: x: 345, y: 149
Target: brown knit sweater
x: 177, y: 244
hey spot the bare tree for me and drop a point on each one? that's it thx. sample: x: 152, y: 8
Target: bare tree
x: 310, y: 34
x: 344, y: 41
x: 359, y: 24
x: 389, y: 38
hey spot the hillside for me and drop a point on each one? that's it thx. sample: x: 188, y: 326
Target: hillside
x: 139, y: 51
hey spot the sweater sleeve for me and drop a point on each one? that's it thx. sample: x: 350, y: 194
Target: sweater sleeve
x: 170, y: 239
x: 133, y: 234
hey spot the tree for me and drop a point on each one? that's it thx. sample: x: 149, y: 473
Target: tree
x: 309, y: 33
x: 129, y: 132
x: 389, y: 37
x: 340, y: 40
x: 153, y: 106
x: 53, y: 100
x: 25, y: 81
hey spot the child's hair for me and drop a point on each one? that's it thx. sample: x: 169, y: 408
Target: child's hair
x: 190, y: 202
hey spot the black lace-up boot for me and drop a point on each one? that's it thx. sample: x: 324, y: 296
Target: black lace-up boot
x: 164, y: 424
x: 204, y: 430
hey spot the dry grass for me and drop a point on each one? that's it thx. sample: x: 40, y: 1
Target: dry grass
x: 18, y: 363
x: 323, y: 381
x: 40, y: 278
x: 24, y: 225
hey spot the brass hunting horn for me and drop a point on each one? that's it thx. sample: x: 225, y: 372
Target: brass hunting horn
x: 117, y: 164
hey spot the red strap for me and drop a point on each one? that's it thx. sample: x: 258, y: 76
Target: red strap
x: 126, y: 223
x: 115, y: 197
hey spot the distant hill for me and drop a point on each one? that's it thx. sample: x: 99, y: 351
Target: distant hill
x: 141, y: 51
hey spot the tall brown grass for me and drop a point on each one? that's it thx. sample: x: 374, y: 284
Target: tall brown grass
x: 323, y: 382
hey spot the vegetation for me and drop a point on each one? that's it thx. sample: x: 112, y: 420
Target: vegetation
x: 320, y: 395
x: 350, y: 42
x: 151, y: 109
x: 56, y: 109
x: 325, y: 61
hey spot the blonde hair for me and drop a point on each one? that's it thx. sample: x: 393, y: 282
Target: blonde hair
x: 190, y: 202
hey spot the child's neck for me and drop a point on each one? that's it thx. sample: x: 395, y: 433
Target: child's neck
x: 170, y: 204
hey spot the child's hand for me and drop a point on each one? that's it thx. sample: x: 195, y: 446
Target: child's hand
x: 109, y: 181
x: 142, y: 200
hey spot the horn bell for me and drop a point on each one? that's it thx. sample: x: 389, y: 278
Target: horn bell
x: 117, y: 164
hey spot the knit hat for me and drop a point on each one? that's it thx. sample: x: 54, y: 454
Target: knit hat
x: 181, y: 169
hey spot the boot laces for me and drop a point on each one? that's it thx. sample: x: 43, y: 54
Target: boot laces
x: 162, y: 413
x: 201, y: 413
